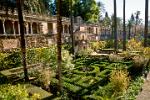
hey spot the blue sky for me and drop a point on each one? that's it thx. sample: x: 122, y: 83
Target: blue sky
x: 131, y: 7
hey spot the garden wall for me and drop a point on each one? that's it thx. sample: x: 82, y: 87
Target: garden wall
x: 13, y: 42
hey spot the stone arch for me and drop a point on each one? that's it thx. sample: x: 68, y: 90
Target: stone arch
x: 34, y: 28
x: 1, y: 27
x: 8, y: 27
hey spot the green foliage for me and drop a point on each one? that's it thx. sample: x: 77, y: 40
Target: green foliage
x: 109, y: 44
x: 89, y: 10
x: 10, y: 60
x: 98, y: 45
x: 134, y: 88
x: 115, y: 58
x: 84, y: 52
x: 119, y: 80
x: 134, y: 45
x: 43, y: 77
x: 14, y: 92
x: 46, y: 56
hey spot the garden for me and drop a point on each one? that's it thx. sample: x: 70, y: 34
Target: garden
x: 86, y: 77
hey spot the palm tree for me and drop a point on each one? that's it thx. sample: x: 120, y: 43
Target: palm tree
x: 115, y: 27
x: 124, y: 27
x: 59, y: 31
x: 23, y: 45
x: 146, y: 23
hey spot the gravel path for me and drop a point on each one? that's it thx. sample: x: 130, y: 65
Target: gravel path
x: 145, y: 94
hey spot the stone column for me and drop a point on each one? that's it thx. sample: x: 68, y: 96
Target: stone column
x: 4, y: 31
x: 18, y: 28
x: 14, y: 32
x: 54, y: 28
x: 63, y: 29
x: 27, y: 27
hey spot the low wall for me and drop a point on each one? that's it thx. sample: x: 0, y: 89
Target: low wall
x: 13, y: 42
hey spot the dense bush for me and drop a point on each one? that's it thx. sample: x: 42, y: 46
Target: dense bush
x: 98, y: 45
x: 134, y: 88
x: 115, y: 58
x: 15, y: 92
x: 46, y: 56
x: 10, y: 60
x: 119, y: 80
x: 84, y: 52
x: 134, y: 45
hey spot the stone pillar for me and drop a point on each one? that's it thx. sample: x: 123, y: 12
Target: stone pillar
x: 14, y: 32
x: 27, y: 27
x: 4, y: 31
x: 54, y: 28
x: 18, y: 28
x: 63, y: 29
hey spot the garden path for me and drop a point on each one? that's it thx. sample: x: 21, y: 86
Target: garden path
x: 145, y: 93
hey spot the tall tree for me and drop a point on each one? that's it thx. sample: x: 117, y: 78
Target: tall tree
x: 146, y: 23
x: 38, y: 6
x: 87, y: 9
x: 137, y: 20
x: 23, y: 45
x: 71, y: 28
x: 124, y: 26
x: 115, y: 28
x: 59, y: 31
x: 106, y: 22
x: 129, y: 25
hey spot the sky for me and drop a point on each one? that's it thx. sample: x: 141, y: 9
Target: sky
x: 131, y: 7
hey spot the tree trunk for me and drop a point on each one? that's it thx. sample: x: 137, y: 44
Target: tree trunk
x: 115, y: 28
x: 22, y: 42
x: 124, y: 27
x: 146, y: 23
x: 71, y: 29
x: 129, y: 37
x: 59, y: 31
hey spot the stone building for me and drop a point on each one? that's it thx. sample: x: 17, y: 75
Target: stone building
x: 40, y: 30
x: 85, y: 33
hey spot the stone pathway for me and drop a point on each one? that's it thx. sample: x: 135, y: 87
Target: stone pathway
x: 145, y: 94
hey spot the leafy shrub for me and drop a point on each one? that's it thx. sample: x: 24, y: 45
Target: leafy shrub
x: 134, y: 45
x: 139, y: 64
x: 133, y: 89
x: 15, y: 92
x: 46, y: 55
x: 10, y: 60
x: 84, y: 52
x: 43, y: 77
x: 115, y: 58
x: 109, y: 44
x: 119, y: 80
x: 139, y: 61
x: 98, y: 45
x: 146, y: 52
